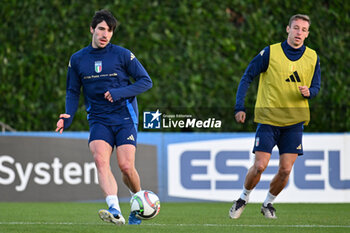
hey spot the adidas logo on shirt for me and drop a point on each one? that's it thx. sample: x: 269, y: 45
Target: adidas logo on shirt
x: 299, y: 147
x: 131, y: 138
x: 294, y: 78
x: 132, y: 56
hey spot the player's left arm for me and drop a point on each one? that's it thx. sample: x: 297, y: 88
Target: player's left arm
x: 315, y: 83
x: 142, y: 82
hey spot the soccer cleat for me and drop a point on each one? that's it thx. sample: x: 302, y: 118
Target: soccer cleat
x: 268, y: 211
x: 133, y: 220
x: 237, y: 208
x: 112, y: 215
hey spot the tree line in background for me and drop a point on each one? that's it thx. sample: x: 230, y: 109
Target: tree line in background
x: 194, y: 51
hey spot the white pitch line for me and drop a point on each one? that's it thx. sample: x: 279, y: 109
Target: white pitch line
x: 182, y: 225
x: 250, y: 225
x: 48, y: 223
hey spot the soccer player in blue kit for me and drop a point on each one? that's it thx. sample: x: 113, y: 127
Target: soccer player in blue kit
x: 104, y: 70
x: 289, y: 76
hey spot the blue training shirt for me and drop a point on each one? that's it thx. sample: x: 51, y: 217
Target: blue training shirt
x: 260, y: 63
x: 101, y: 70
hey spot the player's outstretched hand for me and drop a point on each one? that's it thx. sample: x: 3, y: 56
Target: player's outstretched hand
x: 304, y: 90
x: 60, y: 122
x: 240, y: 117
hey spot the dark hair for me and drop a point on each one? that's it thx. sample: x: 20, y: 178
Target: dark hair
x: 299, y: 16
x: 104, y: 15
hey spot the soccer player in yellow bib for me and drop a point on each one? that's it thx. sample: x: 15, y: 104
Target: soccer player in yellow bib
x: 289, y: 76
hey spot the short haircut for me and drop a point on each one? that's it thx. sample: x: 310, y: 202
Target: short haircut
x: 299, y: 16
x: 104, y: 15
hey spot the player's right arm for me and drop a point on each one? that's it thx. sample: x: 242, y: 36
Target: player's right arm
x: 258, y: 65
x: 72, y: 97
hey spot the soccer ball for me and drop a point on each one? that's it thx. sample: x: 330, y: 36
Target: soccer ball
x: 145, y: 204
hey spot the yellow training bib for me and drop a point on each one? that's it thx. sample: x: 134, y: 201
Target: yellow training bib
x: 279, y: 101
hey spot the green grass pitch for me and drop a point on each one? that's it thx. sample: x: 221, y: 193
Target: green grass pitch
x: 175, y: 217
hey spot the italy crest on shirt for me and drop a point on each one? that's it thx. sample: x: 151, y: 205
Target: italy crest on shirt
x: 98, y: 66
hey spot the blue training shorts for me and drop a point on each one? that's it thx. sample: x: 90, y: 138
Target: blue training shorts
x: 115, y: 135
x: 288, y: 139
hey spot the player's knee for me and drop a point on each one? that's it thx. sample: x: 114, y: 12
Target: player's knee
x: 259, y: 168
x: 284, y: 172
x: 126, y: 168
x: 101, y: 164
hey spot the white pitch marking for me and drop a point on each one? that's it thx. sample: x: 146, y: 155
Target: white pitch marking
x: 181, y: 225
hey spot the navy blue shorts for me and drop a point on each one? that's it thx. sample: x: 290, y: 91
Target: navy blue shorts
x: 288, y: 139
x: 115, y: 135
